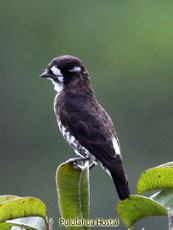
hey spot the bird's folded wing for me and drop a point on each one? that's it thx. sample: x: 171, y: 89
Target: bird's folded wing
x: 89, y: 128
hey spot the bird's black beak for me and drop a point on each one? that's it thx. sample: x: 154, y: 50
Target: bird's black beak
x: 46, y: 74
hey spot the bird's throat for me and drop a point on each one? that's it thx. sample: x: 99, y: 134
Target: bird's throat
x: 58, y: 86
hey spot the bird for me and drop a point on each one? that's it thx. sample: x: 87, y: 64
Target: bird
x: 83, y: 122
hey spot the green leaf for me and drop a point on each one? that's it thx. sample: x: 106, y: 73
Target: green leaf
x: 137, y: 207
x: 5, y: 198
x: 165, y: 198
x: 160, y: 177
x: 73, y: 193
x: 7, y: 226
x: 85, y: 199
x: 20, y: 207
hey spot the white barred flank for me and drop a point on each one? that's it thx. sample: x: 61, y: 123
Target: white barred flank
x: 71, y: 140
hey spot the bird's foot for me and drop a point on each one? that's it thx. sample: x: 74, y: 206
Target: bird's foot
x: 78, y: 159
x: 75, y: 161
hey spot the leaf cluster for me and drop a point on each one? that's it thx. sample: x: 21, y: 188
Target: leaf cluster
x: 74, y: 200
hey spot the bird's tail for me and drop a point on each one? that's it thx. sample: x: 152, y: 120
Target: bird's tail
x: 122, y: 188
x: 120, y: 180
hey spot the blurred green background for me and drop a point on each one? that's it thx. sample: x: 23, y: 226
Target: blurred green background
x: 127, y: 47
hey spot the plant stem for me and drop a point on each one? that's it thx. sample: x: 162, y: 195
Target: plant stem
x: 170, y: 220
x: 51, y: 224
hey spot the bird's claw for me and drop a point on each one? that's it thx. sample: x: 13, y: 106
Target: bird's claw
x: 75, y: 161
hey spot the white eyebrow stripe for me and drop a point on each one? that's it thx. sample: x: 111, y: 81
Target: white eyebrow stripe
x: 76, y: 69
x: 56, y: 71
x: 116, y: 146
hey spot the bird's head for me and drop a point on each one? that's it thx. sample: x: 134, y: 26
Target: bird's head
x: 64, y: 71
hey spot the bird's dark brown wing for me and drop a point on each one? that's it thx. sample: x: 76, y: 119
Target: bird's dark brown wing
x: 91, y: 126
